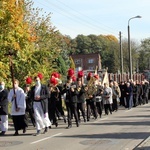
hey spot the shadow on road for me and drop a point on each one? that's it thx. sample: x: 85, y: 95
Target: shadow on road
x: 143, y: 123
x: 142, y: 148
x: 140, y: 116
x: 122, y: 135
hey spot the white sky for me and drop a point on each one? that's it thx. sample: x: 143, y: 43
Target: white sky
x: 73, y: 17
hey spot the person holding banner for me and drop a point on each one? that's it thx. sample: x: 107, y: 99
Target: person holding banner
x: 18, y: 108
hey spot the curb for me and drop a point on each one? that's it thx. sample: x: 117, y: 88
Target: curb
x: 144, y: 145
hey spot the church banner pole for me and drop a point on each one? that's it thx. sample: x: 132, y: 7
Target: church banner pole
x: 12, y: 77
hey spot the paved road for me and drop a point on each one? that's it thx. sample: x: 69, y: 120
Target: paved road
x: 123, y: 130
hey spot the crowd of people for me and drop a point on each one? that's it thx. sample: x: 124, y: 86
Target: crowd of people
x: 42, y: 104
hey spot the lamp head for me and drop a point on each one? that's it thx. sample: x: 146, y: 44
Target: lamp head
x: 138, y: 17
x: 134, y: 18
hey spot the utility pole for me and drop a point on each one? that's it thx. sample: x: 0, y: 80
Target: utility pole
x: 121, y: 55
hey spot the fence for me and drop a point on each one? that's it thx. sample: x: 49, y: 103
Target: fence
x: 125, y: 77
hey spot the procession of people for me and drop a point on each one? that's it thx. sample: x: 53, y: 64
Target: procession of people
x: 42, y: 103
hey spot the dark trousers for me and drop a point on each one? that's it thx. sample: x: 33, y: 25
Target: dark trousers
x: 108, y: 107
x: 140, y: 100
x: 81, y: 107
x: 31, y: 115
x: 145, y: 98
x: 129, y: 101
x: 20, y: 122
x: 115, y: 105
x: 99, y: 108
x: 72, y: 109
x: 122, y: 102
x: 52, y: 112
x: 91, y: 107
x: 59, y: 108
x: 135, y: 100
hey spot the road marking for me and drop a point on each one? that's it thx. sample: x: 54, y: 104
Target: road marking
x: 45, y: 138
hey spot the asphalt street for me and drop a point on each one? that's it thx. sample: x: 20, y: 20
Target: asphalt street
x: 123, y: 130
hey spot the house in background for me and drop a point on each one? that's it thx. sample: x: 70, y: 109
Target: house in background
x: 87, y: 62
x: 90, y: 63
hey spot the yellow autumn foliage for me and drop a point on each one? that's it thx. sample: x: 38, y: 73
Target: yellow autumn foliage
x: 111, y: 38
x: 72, y: 64
x: 33, y: 43
x: 13, y: 13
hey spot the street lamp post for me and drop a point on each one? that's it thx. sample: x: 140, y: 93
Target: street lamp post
x: 129, y: 47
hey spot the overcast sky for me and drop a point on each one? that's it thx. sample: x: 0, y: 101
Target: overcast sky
x: 73, y: 17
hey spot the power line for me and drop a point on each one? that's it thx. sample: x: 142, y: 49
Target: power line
x: 69, y: 15
x: 71, y: 29
x: 79, y: 19
x: 85, y: 15
x: 73, y: 19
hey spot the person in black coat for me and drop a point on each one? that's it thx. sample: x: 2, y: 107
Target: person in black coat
x: 128, y: 95
x: 99, y: 99
x: 145, y: 91
x: 29, y: 104
x: 81, y: 99
x: 53, y: 100
x: 140, y: 92
x: 3, y: 108
x: 135, y: 94
x: 59, y: 107
x: 123, y: 94
x: 71, y: 92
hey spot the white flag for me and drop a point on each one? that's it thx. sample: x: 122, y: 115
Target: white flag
x: 105, y: 79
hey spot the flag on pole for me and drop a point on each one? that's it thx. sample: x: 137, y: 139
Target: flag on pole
x: 95, y: 73
x: 105, y: 79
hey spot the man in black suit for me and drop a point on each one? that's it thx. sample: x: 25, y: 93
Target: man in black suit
x: 3, y: 108
x: 29, y: 104
x: 81, y: 99
x: 71, y: 92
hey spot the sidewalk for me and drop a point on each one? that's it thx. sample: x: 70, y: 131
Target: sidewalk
x: 144, y: 145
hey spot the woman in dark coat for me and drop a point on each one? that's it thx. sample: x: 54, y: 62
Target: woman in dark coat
x: 3, y: 108
x: 128, y: 95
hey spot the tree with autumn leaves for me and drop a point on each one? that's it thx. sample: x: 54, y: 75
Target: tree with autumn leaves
x: 105, y: 45
x: 38, y: 47
x: 13, y: 35
x: 32, y: 40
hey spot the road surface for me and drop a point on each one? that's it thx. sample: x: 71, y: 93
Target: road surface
x: 123, y: 130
